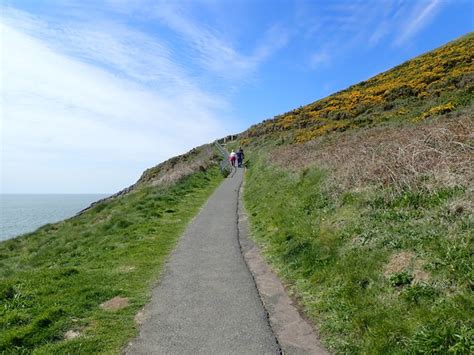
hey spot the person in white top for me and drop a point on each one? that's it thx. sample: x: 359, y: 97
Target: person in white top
x: 232, y: 157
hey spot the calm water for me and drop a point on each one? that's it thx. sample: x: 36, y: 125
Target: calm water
x: 20, y: 214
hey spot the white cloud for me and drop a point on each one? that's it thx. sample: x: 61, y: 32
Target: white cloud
x: 419, y: 18
x: 131, y: 53
x: 337, y: 27
x: 379, y: 33
x: 87, y: 87
x: 72, y: 126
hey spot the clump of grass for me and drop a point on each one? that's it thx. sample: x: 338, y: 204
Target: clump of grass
x: 53, y: 280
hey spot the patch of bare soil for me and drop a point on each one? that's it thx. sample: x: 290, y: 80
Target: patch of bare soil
x: 419, y: 275
x: 115, y: 303
x: 141, y: 317
x: 399, y: 262
x: 406, y: 261
x: 72, y: 334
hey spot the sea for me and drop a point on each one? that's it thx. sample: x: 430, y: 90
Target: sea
x: 23, y: 213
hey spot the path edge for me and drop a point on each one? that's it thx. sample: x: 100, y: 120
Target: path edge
x: 293, y: 333
x: 144, y: 314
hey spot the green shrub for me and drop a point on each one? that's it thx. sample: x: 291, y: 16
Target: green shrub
x: 401, y: 279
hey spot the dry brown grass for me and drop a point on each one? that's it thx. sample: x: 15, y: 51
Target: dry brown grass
x: 432, y: 153
x: 72, y: 334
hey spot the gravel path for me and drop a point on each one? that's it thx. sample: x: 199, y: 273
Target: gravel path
x: 206, y: 302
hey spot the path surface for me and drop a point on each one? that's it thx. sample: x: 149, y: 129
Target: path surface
x: 206, y: 302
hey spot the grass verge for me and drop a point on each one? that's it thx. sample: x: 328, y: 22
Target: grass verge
x: 53, y: 281
x: 377, y: 270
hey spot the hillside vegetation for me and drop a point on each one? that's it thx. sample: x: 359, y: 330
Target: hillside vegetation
x: 434, y: 83
x: 363, y: 203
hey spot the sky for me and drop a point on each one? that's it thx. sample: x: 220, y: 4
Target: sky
x: 94, y: 92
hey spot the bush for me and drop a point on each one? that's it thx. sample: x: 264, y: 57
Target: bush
x: 400, y: 279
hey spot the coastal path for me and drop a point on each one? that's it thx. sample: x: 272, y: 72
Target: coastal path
x: 206, y: 301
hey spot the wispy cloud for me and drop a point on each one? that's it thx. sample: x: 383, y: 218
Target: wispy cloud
x: 420, y: 16
x: 213, y: 53
x: 108, y: 44
x: 333, y: 27
x: 337, y: 27
x: 319, y: 58
x: 90, y: 86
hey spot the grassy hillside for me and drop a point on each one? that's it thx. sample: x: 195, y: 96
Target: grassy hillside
x: 362, y: 202
x: 437, y: 82
x: 55, y: 282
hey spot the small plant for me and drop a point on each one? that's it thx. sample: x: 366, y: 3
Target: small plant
x: 418, y: 292
x: 444, y: 338
x: 225, y: 171
x: 400, y: 279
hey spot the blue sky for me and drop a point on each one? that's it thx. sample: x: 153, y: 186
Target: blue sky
x: 95, y: 92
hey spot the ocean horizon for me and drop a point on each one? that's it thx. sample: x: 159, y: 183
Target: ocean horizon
x: 24, y: 213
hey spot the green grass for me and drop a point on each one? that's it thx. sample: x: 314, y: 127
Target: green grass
x: 333, y: 251
x: 53, y: 280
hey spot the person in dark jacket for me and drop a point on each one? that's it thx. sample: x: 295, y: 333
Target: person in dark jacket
x: 240, y: 157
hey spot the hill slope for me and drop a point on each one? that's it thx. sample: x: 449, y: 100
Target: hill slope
x: 363, y: 203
